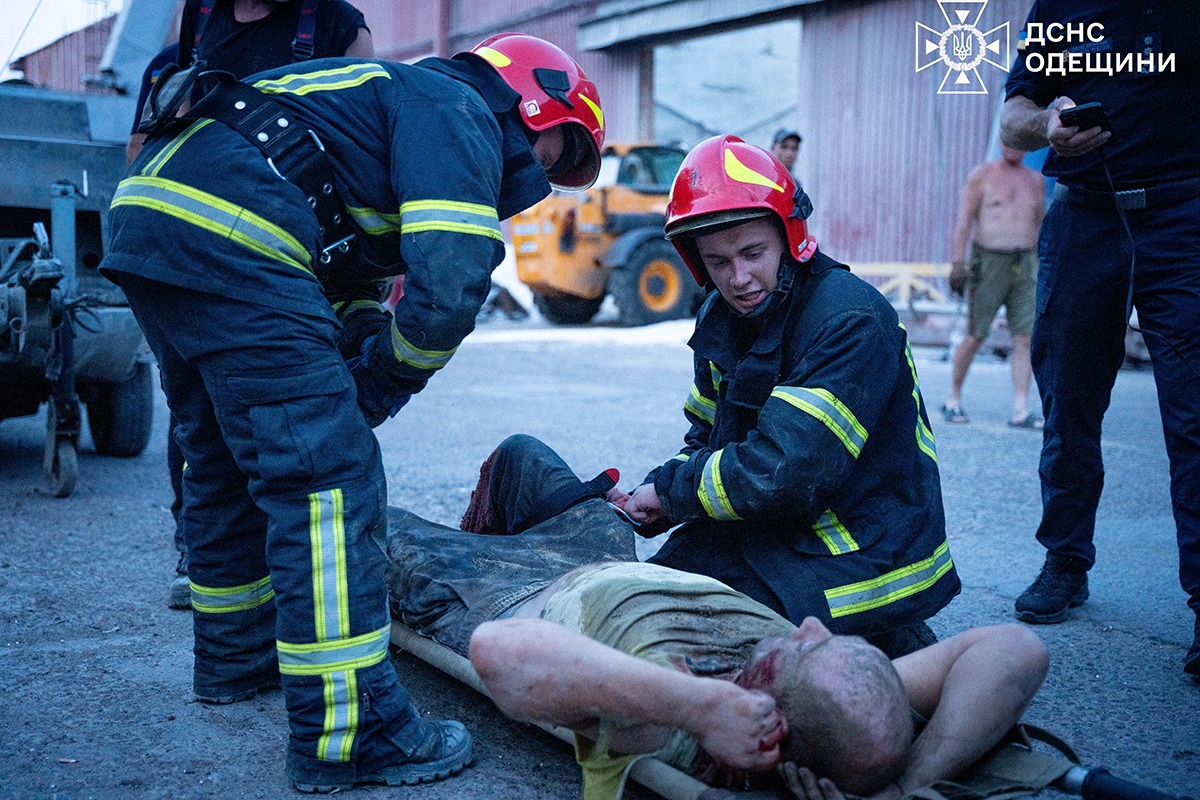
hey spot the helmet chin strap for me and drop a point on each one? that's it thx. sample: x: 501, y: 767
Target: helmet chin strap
x: 784, y: 278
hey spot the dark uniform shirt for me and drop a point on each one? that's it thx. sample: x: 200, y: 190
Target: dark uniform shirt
x: 810, y: 452
x: 245, y: 48
x: 1155, y: 124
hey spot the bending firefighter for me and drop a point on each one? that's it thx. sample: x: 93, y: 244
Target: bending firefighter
x: 253, y: 236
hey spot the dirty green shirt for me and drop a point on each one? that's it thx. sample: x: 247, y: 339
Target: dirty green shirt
x: 674, y: 619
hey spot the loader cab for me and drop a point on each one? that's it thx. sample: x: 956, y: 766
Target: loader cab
x: 575, y: 249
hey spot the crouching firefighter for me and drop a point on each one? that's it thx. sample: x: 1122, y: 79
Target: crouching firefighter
x: 253, y: 236
x: 808, y: 479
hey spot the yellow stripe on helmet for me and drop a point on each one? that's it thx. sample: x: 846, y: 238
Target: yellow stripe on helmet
x: 743, y: 174
x: 595, y: 107
x: 494, y: 57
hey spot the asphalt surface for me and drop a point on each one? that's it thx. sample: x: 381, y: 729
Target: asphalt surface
x: 97, y: 671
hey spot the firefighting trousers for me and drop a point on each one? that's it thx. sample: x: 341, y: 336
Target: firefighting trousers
x: 1078, y: 346
x: 284, y: 517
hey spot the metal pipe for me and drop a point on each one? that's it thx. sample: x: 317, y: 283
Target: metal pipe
x: 62, y: 235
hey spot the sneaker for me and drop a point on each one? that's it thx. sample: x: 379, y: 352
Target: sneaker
x: 1062, y: 584
x: 445, y: 750
x: 955, y: 415
x: 180, y: 595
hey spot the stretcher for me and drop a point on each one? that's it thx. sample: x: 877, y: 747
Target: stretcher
x: 1013, y: 769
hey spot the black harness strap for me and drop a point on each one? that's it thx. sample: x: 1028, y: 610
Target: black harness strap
x: 306, y: 30
x: 293, y: 151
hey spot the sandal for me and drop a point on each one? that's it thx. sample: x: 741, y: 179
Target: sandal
x: 955, y: 415
x: 1031, y: 422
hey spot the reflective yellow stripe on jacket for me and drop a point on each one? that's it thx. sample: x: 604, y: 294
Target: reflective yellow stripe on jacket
x: 712, y: 491
x: 924, y: 436
x: 217, y: 216
x: 326, y: 80
x: 824, y: 406
x: 701, y: 406
x: 854, y: 598
x: 834, y: 534
x: 408, y: 353
x: 452, y: 216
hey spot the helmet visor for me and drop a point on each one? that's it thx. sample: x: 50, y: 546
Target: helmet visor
x: 579, y: 163
x: 715, y: 222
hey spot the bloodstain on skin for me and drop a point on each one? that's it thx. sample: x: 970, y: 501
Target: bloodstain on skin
x: 762, y: 671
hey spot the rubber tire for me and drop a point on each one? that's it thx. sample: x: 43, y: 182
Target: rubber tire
x: 654, y: 286
x: 564, y: 309
x: 62, y: 476
x: 120, y: 415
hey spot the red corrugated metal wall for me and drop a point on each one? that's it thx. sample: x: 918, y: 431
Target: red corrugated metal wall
x: 64, y: 64
x: 410, y: 30
x: 884, y: 154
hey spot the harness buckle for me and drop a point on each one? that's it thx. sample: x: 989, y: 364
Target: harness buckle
x: 341, y: 246
x: 1131, y: 199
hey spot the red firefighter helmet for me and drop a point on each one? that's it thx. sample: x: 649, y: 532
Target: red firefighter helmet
x: 554, y: 91
x: 722, y: 182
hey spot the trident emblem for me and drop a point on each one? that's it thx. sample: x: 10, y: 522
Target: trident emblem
x: 962, y: 46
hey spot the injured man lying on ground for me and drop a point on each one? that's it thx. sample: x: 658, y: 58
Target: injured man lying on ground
x: 541, y: 589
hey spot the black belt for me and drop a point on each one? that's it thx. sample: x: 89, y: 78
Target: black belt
x: 1167, y: 194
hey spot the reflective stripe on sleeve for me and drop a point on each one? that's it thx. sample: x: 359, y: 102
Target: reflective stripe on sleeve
x: 450, y: 215
x: 834, y: 534
x: 211, y: 213
x: 406, y: 352
x: 924, y: 436
x: 712, y: 492
x: 821, y: 404
x: 326, y: 80
x: 700, y: 405
x: 225, y: 599
x: 346, y: 307
x: 374, y: 222
x: 855, y: 598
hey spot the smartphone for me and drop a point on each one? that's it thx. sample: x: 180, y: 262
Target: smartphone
x: 1085, y: 117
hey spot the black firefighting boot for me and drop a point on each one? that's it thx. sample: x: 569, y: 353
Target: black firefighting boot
x: 1191, y: 662
x: 1062, y: 584
x: 180, y: 596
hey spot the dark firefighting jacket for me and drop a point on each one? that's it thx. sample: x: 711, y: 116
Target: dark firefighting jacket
x: 427, y: 159
x: 810, y: 454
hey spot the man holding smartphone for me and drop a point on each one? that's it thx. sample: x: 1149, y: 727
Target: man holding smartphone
x: 1123, y: 231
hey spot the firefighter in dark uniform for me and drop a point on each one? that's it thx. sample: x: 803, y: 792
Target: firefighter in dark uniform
x: 1123, y: 232
x: 809, y: 479
x: 254, y: 260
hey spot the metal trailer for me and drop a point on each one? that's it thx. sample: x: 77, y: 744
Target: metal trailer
x: 67, y: 336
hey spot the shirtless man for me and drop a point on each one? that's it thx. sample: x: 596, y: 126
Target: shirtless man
x: 1003, y: 203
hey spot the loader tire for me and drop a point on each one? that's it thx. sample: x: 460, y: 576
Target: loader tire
x: 120, y: 414
x: 654, y: 286
x: 565, y: 309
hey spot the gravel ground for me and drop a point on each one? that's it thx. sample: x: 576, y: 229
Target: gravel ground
x: 98, y: 670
